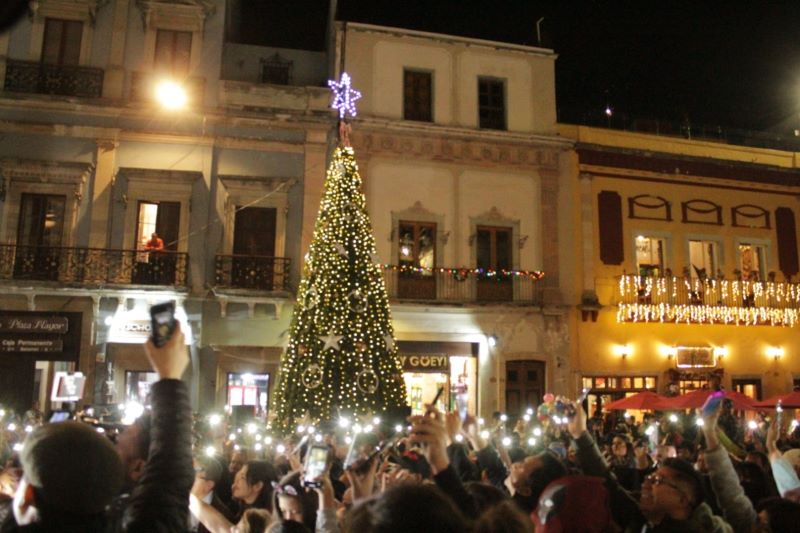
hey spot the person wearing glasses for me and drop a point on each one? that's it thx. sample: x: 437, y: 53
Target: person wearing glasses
x: 672, y: 497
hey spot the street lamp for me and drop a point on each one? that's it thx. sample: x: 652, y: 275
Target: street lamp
x: 171, y: 95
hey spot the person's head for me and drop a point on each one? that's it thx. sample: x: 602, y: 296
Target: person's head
x: 759, y: 458
x: 252, y: 485
x: 505, y: 517
x: 621, y: 446
x: 207, y: 475
x: 753, y: 480
x: 291, y: 503
x: 71, y: 473
x: 674, y: 489
x: 663, y: 452
x: 573, y: 503
x: 685, y: 451
x: 777, y: 514
x: 133, y: 448
x: 252, y: 521
x: 154, y: 236
x: 287, y: 527
x: 484, y: 495
x: 406, y: 507
x: 537, y: 471
x: 238, y: 459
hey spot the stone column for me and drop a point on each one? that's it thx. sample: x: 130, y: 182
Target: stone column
x: 114, y: 79
x: 105, y: 161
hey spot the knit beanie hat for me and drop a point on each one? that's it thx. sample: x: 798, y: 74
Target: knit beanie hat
x: 72, y: 467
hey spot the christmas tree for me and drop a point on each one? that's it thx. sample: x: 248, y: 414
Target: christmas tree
x: 341, y: 357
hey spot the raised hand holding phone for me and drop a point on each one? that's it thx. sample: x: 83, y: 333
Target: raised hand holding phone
x: 162, y: 319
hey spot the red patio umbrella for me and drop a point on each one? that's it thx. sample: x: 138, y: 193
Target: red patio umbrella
x: 696, y: 399
x: 640, y: 400
x: 788, y: 401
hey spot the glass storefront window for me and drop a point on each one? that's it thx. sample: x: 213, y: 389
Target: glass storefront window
x: 459, y: 379
x: 137, y: 385
x: 249, y: 390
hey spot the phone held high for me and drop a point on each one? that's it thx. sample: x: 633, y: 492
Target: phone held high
x: 162, y: 318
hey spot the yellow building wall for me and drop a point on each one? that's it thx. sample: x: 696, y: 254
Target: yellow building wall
x: 597, y: 343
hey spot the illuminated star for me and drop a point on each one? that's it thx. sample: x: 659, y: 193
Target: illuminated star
x: 389, y: 340
x: 331, y: 341
x: 344, y: 97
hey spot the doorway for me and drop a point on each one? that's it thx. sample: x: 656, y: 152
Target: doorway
x: 525, y: 381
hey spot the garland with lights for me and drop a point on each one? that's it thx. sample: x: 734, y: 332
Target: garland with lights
x: 461, y: 274
x: 708, y: 301
x: 341, y: 357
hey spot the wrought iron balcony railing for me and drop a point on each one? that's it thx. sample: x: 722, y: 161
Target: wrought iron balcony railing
x: 256, y: 272
x: 93, y: 266
x: 463, y: 285
x: 709, y: 301
x: 64, y: 80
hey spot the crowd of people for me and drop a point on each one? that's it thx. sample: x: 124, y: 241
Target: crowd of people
x: 442, y: 472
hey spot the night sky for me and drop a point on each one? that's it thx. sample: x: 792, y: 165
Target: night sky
x: 733, y: 64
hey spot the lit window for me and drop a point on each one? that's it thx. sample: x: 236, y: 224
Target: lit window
x: 703, y: 259
x: 752, y: 261
x: 649, y: 256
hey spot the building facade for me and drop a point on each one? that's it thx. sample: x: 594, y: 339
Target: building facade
x: 686, y: 253
x: 457, y: 143
x: 93, y: 165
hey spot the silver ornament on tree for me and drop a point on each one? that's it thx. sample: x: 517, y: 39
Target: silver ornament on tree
x: 357, y: 301
x: 367, y: 381
x: 312, y: 376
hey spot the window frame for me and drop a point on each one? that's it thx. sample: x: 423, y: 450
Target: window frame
x: 491, y: 109
x: 718, y: 253
x: 665, y: 240
x: 764, y: 244
x: 418, y: 225
x: 172, y: 67
x: 493, y: 230
x: 49, y: 22
x: 407, y: 96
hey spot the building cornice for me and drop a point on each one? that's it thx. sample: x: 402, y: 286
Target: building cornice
x: 449, y: 39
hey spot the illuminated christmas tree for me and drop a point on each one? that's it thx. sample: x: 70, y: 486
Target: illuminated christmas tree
x: 341, y: 356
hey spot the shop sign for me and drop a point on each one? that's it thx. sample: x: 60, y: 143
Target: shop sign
x: 425, y: 363
x: 130, y: 331
x: 33, y: 324
x: 19, y: 345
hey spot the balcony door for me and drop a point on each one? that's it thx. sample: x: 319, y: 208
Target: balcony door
x: 157, y: 267
x: 253, y: 264
x: 417, y: 258
x: 494, y: 253
x: 62, y: 42
x: 39, y: 234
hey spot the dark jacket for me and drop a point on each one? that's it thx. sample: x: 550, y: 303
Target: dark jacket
x: 160, y: 501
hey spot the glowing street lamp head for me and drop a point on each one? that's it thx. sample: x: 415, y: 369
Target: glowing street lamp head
x: 171, y: 95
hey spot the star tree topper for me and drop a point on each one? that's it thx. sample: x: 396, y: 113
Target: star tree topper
x: 344, y: 97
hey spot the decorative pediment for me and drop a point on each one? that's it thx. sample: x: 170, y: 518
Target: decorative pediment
x: 161, y: 177
x: 85, y: 10
x: 180, y: 15
x: 647, y: 207
x: 417, y: 212
x: 256, y: 184
x: 701, y: 212
x: 494, y: 215
x: 750, y: 216
x: 52, y: 172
